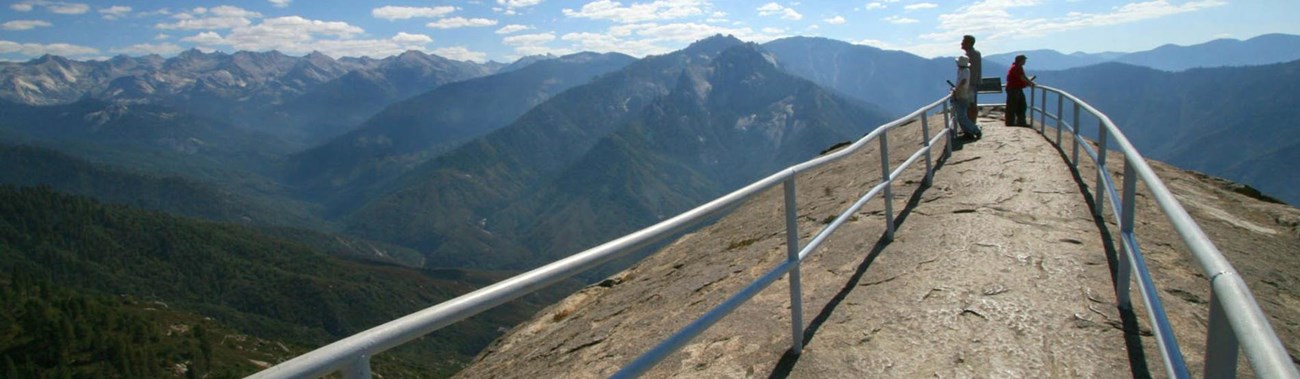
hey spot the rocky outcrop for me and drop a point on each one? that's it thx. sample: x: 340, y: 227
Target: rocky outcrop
x: 997, y: 270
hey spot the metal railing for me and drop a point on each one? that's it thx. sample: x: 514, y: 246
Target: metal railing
x: 1235, y: 319
x: 351, y: 356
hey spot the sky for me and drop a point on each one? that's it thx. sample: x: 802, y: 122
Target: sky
x: 505, y: 30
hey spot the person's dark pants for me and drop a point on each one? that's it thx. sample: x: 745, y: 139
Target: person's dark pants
x: 1016, y: 107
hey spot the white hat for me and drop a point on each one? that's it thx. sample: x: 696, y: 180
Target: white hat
x: 963, y: 61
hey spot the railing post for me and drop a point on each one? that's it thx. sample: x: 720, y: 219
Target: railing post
x: 1220, y: 342
x: 792, y: 254
x: 1042, y: 126
x: 1100, y: 190
x: 1075, y: 131
x: 1126, y: 217
x: 1032, y: 95
x: 925, y: 135
x: 1060, y: 117
x: 947, y: 124
x: 358, y: 369
x: 889, y: 195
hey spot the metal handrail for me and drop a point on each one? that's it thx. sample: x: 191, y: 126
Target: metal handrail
x: 351, y: 356
x: 1235, y: 318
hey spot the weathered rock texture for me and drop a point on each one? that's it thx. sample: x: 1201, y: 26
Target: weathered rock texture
x: 997, y: 269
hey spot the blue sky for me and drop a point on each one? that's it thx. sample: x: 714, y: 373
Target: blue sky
x: 504, y: 30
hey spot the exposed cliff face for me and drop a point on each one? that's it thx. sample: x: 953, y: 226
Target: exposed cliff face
x: 997, y: 269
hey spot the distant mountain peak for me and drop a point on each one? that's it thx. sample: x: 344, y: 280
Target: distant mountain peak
x: 192, y: 53
x: 317, y: 55
x: 413, y: 56
x: 713, y: 45
x: 50, y: 59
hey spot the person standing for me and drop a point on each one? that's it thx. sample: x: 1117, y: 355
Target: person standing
x: 1016, y: 83
x: 976, y: 73
x: 961, y: 94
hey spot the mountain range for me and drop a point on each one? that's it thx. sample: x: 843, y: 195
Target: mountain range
x: 1229, y: 122
x: 419, y: 167
x: 301, y: 100
x: 412, y: 131
x: 1263, y: 49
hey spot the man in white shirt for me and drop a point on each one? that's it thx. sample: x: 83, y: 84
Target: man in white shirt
x: 976, y: 73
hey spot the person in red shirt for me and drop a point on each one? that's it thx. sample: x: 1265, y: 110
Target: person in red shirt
x: 1016, y: 83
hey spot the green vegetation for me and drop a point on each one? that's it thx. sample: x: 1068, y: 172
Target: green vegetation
x: 262, y: 287
x: 51, y: 331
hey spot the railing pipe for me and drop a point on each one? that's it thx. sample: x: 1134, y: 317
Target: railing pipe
x: 1126, y: 216
x: 1253, y: 331
x: 1031, y: 105
x: 1060, y: 117
x: 889, y: 196
x: 947, y: 124
x: 1235, y: 319
x: 925, y: 138
x: 341, y: 355
x: 358, y: 369
x: 792, y: 256
x: 1042, y: 127
x: 1267, y: 357
x: 1220, y: 342
x: 1170, y: 352
x: 1074, y: 135
x: 1101, y: 169
x: 656, y: 354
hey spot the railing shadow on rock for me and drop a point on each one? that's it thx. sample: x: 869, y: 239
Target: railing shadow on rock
x: 1235, y: 318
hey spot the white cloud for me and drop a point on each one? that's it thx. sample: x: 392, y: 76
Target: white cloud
x: 605, y: 43
x: 221, y: 17
x: 533, y: 44
x: 401, y: 13
x: 786, y: 13
x: 147, y: 48
x: 52, y: 6
x: 24, y: 24
x: 162, y: 36
x: 837, y: 20
x: 36, y: 49
x: 528, y: 39
x: 900, y: 20
x: 280, y: 3
x: 519, y: 3
x: 651, y: 38
x: 460, y: 53
x: 298, y: 36
x: 639, y: 12
x: 115, y: 12
x: 207, y: 39
x: 513, y: 28
x: 160, y: 12
x: 67, y: 8
x: 509, y: 6
x: 717, y: 17
x: 876, y: 43
x: 460, y: 22
x: 408, y: 38
x: 882, y: 4
x: 993, y: 20
x: 919, y: 6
